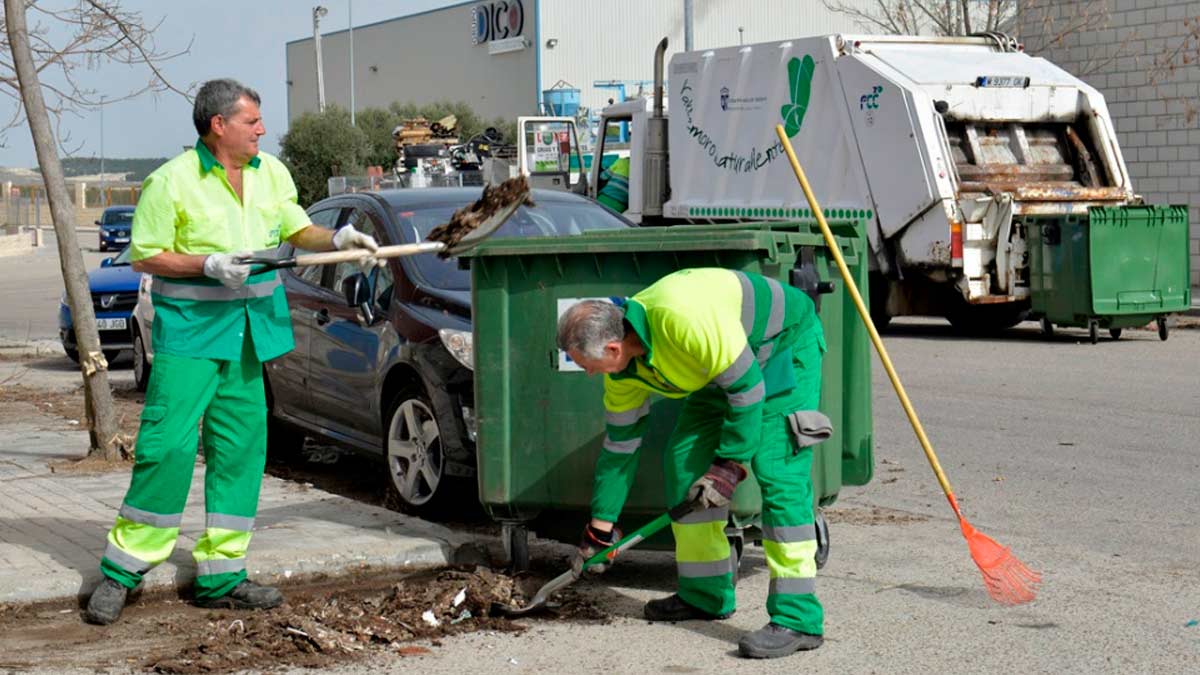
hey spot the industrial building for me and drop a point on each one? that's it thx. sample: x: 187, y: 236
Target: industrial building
x: 501, y: 56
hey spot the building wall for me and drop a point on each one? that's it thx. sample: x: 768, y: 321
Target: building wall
x: 1123, y: 52
x: 418, y: 59
x: 615, y: 39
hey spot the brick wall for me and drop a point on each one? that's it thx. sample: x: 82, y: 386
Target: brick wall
x: 1123, y: 48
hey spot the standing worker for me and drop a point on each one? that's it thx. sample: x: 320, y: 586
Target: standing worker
x: 760, y: 343
x: 216, y: 322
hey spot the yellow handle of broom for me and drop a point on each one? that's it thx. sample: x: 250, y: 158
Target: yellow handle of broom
x: 866, y: 317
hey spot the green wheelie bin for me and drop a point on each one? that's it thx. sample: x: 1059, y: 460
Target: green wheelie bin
x: 541, y: 419
x: 1115, y: 267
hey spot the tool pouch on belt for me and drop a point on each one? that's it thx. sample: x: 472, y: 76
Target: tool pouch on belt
x: 809, y: 427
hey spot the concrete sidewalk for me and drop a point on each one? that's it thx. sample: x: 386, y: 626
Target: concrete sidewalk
x: 53, y: 523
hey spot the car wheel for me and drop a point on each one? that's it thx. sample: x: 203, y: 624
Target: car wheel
x: 413, y: 455
x: 141, y: 366
x: 111, y: 355
x: 72, y: 354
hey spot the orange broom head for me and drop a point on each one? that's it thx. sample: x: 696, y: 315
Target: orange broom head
x: 1008, y: 580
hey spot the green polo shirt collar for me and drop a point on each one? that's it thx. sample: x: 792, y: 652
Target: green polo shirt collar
x: 635, y: 314
x: 207, y: 161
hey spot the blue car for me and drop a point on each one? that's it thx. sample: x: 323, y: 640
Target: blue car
x: 114, y: 287
x: 115, y: 223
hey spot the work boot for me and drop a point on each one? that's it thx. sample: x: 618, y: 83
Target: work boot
x: 773, y: 641
x: 246, y: 595
x: 106, y: 603
x: 674, y: 608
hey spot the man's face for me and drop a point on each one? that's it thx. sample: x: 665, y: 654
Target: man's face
x: 238, y: 134
x: 614, y: 359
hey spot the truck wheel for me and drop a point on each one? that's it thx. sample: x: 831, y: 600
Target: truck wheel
x: 1093, y: 330
x: 1114, y: 333
x: 1047, y: 327
x: 1162, y: 328
x: 516, y: 546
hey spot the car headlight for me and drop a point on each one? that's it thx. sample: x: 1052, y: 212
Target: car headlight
x: 460, y: 345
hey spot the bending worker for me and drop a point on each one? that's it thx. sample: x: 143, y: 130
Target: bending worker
x: 746, y: 353
x: 216, y: 322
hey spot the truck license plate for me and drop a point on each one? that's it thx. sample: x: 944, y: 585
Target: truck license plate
x: 110, y: 324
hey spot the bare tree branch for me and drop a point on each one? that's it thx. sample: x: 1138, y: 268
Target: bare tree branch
x: 93, y: 33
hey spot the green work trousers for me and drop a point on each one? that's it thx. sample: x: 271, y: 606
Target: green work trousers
x: 783, y: 470
x: 229, y: 397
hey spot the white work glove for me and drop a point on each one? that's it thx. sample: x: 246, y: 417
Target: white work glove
x: 224, y: 268
x: 348, y: 239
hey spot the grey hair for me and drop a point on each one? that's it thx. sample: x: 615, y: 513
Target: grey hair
x: 589, y: 325
x: 219, y: 97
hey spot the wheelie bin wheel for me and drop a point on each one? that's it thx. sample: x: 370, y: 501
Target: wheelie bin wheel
x: 737, y: 545
x: 1047, y: 327
x: 1094, y: 330
x: 516, y: 546
x: 1115, y: 333
x: 822, y: 528
x: 1162, y: 328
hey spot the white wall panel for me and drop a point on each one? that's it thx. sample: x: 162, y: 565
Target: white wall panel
x: 615, y: 39
x: 416, y: 59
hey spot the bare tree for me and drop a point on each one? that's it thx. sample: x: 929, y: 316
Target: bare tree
x: 68, y: 42
x: 1048, y: 23
x: 99, y: 30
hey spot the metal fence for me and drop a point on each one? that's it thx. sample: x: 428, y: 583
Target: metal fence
x: 341, y: 184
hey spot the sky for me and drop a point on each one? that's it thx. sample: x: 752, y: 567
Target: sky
x: 245, y: 43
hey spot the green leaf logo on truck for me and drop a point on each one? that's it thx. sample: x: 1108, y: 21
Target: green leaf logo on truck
x: 800, y: 74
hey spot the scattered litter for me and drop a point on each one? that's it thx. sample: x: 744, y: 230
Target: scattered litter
x: 412, y: 650
x: 998, y: 479
x: 237, y: 622
x: 512, y: 662
x: 1067, y: 443
x: 1193, y: 622
x: 462, y: 595
x: 73, y: 422
x: 430, y: 619
x: 287, y: 574
x: 463, y: 616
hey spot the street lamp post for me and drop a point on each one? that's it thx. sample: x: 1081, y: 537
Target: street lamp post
x: 102, y: 186
x: 319, y: 12
x: 350, y: 17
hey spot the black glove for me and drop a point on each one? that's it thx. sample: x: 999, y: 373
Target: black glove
x: 715, y: 488
x: 592, y: 542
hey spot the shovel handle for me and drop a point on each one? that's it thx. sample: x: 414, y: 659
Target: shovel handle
x: 334, y: 257
x: 641, y: 534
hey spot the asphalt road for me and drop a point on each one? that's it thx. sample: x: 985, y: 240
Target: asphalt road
x: 1082, y: 458
x: 31, y: 285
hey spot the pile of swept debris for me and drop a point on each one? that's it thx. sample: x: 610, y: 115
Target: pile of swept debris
x: 323, y: 624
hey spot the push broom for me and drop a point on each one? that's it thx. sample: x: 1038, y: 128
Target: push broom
x: 1007, y: 579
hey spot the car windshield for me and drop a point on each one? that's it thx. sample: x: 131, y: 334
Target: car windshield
x: 118, y: 218
x: 547, y: 219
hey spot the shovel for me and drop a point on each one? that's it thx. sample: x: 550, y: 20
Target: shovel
x: 603, y: 557
x: 514, y: 193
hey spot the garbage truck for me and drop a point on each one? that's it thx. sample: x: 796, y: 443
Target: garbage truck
x: 950, y: 147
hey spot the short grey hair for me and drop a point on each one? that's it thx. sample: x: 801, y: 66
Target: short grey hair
x: 219, y: 97
x: 589, y: 325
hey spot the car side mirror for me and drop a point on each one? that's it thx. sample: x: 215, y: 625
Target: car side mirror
x: 97, y: 222
x: 357, y: 290
x: 107, y: 262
